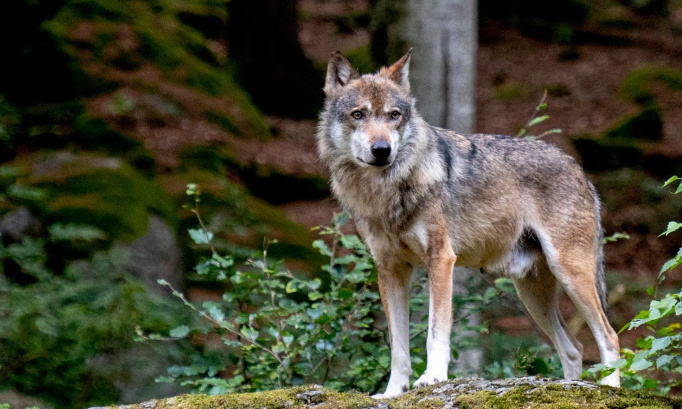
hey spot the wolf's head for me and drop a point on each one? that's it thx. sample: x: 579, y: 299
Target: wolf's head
x: 366, y: 117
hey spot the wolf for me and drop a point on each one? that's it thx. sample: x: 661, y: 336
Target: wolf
x: 425, y: 196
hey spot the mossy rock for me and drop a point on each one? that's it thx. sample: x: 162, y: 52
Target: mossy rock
x: 470, y: 393
x: 94, y: 190
x: 91, y: 37
x: 603, y: 154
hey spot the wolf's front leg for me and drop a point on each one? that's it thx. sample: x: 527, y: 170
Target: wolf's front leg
x: 441, y: 262
x: 394, y: 282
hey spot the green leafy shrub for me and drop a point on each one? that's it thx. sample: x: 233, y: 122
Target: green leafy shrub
x: 63, y: 333
x: 272, y: 328
x: 657, y: 363
x: 68, y: 311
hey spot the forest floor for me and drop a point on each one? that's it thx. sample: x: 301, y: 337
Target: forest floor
x: 513, y: 71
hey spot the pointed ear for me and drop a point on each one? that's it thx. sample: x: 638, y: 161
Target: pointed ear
x: 399, y: 71
x: 339, y: 73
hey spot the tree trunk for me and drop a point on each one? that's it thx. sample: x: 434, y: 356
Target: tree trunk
x: 443, y: 66
x: 264, y: 50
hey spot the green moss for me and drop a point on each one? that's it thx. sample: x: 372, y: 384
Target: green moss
x: 102, y: 192
x: 96, y: 135
x: 511, y: 91
x: 283, y: 398
x: 222, y: 121
x: 179, y: 51
x: 637, y: 85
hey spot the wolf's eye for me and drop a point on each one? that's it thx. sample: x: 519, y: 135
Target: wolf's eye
x: 395, y: 114
x: 356, y: 114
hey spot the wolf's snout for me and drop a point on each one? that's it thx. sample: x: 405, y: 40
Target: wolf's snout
x: 381, y: 150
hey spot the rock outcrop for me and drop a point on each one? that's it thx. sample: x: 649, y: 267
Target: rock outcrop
x: 470, y: 393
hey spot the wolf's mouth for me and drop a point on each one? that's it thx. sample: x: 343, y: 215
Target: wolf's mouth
x: 375, y: 164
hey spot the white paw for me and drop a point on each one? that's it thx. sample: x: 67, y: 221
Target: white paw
x: 612, y: 380
x: 428, y: 379
x: 391, y: 392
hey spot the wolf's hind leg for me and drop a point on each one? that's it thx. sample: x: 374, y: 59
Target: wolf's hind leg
x: 394, y: 283
x: 538, y: 291
x: 575, y: 269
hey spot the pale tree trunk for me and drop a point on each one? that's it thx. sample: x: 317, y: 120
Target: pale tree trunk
x: 444, y: 34
x: 443, y: 66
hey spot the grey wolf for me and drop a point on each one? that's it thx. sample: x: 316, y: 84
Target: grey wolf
x: 425, y: 196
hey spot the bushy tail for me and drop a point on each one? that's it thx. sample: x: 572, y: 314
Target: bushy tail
x: 599, y: 252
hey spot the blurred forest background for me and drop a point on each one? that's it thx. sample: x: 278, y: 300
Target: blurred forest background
x: 108, y: 109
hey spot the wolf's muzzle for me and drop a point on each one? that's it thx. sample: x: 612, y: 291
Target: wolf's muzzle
x: 381, y: 150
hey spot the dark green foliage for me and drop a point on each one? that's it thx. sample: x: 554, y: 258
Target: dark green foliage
x: 56, y: 332
x: 647, y: 124
x: 94, y: 134
x: 277, y: 187
x: 600, y: 154
x: 536, y: 19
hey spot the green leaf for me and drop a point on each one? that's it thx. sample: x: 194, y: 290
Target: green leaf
x: 639, y: 362
x: 179, y: 332
x: 322, y: 247
x: 249, y: 333
x: 659, y: 344
x: 214, y: 311
x: 672, y: 226
x: 650, y: 384
x: 669, y: 181
x: 314, y: 296
x: 663, y: 360
x: 314, y: 284
x: 292, y: 286
x: 345, y: 293
x: 538, y: 120
x: 192, y: 189
x: 200, y: 236
x: 672, y: 263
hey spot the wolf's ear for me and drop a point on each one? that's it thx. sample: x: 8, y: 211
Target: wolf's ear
x: 339, y: 73
x: 399, y: 71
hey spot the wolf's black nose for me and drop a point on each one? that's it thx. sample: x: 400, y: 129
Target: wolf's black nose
x: 381, y: 149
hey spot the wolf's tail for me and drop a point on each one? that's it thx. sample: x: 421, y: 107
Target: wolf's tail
x: 600, y: 272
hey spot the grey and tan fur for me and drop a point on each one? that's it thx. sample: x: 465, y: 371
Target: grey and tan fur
x: 425, y: 196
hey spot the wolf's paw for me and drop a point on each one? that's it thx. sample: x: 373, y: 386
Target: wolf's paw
x: 391, y: 392
x: 428, y: 379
